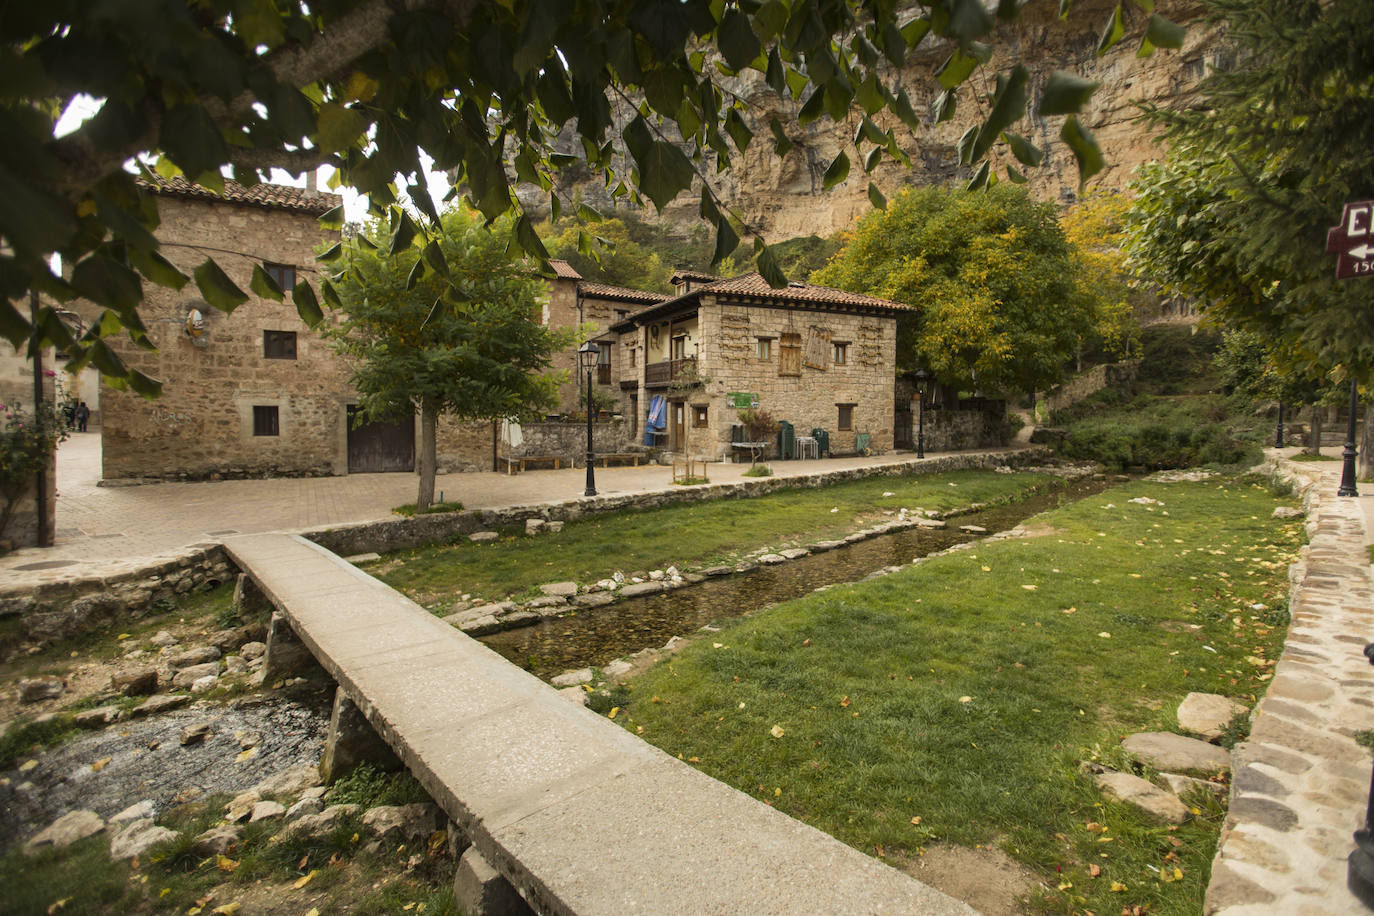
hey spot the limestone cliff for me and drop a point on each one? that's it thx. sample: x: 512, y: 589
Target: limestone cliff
x: 782, y: 197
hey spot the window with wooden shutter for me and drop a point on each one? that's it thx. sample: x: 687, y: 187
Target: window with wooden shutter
x: 790, y: 353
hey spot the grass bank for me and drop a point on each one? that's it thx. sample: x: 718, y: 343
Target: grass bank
x: 687, y: 536
x: 958, y: 701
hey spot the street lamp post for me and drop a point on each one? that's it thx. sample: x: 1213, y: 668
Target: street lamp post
x: 1348, y: 454
x: 1278, y: 433
x: 588, y: 354
x: 922, y: 378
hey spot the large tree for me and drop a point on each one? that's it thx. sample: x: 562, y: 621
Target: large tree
x: 991, y: 278
x: 1237, y: 215
x: 484, y: 87
x: 464, y: 340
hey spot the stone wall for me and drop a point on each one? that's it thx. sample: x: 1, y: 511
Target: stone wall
x: 729, y: 336
x: 1108, y: 375
x: 203, y: 425
x: 407, y: 533
x: 568, y: 440
x: 463, y: 446
x: 953, y: 430
x: 61, y: 610
x: 16, y: 392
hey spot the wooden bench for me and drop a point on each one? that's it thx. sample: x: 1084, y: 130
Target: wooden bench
x: 518, y: 463
x: 620, y: 457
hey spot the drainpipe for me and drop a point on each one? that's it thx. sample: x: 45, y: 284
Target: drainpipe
x: 45, y: 536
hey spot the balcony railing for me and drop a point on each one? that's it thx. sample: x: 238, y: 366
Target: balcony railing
x: 664, y: 372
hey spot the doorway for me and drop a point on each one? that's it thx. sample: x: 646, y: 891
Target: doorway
x: 679, y: 440
x: 380, y: 445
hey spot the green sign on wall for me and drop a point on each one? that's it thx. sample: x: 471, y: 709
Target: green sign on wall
x: 742, y: 400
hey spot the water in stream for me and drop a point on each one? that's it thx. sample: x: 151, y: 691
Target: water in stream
x: 595, y: 636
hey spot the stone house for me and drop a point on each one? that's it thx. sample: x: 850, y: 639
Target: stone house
x: 811, y: 355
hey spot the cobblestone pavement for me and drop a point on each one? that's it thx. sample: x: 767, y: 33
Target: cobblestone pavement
x: 106, y: 530
x: 1301, y: 782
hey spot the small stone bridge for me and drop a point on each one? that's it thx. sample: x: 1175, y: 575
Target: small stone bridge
x: 561, y: 811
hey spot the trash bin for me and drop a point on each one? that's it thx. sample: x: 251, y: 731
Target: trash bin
x: 822, y: 442
x: 787, y: 441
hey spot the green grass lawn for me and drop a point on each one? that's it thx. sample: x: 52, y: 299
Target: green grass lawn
x: 957, y: 701
x: 688, y: 536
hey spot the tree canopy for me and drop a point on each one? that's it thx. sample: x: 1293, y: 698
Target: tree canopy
x: 610, y: 256
x: 1237, y: 214
x: 991, y: 278
x: 467, y: 343
x: 485, y: 88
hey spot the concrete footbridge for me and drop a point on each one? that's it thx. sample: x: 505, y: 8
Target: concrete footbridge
x: 563, y: 811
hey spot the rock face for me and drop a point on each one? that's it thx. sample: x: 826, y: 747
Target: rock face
x: 66, y: 830
x: 138, y: 838
x: 785, y: 198
x: 1167, y: 751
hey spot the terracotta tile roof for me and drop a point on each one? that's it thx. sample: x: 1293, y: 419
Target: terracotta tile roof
x: 273, y: 196
x: 694, y: 276
x: 603, y: 291
x: 563, y: 270
x: 754, y: 286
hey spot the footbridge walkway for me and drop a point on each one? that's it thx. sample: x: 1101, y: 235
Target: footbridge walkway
x: 576, y: 815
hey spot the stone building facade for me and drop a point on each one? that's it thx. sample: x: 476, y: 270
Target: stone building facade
x: 816, y: 357
x: 250, y: 393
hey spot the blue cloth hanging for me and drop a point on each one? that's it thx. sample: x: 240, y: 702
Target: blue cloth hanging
x: 657, y: 420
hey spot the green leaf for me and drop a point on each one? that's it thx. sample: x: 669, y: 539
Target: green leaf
x: 738, y: 130
x: 1015, y: 175
x: 837, y: 172
x: 307, y: 306
x: 871, y: 161
x: 332, y: 253
x: 529, y: 239
x: 1162, y: 33
x: 217, y: 288
x: 14, y: 327
x: 1064, y: 6
x: 102, y: 279
x: 1084, y: 146
x: 770, y: 19
x: 1008, y: 106
x: 980, y: 177
x: 945, y: 105
x: 965, y: 146
x: 417, y: 270
x: 433, y: 255
x: 588, y: 215
x: 664, y: 172
x: 812, y: 108
x: 875, y: 197
x: 338, y: 127
x: 1146, y: 5
x: 106, y: 360
x: 264, y: 286
x: 1025, y: 151
x: 736, y: 40
x: 144, y: 385
x: 331, y: 295
x: 776, y: 75
x: 1065, y: 93
x: 402, y: 232
x: 956, y: 69
x: 781, y: 145
x: 727, y: 240
x: 192, y: 139
x: 1112, y: 32
x: 869, y: 96
x: 968, y: 19
x: 768, y: 265
x: 157, y: 268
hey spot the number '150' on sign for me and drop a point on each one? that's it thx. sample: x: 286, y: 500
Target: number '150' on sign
x: 1353, y: 240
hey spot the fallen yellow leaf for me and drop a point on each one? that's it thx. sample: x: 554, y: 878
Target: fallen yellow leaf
x: 101, y: 764
x: 776, y: 731
x: 1094, y: 870
x: 246, y: 755
x: 1065, y: 885
x: 225, y: 863
x: 916, y: 819
x: 313, y: 911
x: 302, y: 882
x: 845, y: 702
x: 1118, y: 887
x: 229, y: 909
x: 612, y: 713
x: 57, y: 905
x: 126, y: 636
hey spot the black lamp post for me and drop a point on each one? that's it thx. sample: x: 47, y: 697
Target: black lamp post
x: 1348, y: 454
x: 588, y: 354
x: 1278, y: 433
x: 922, y: 380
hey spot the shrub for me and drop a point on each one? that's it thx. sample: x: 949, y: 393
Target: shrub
x: 27, y: 443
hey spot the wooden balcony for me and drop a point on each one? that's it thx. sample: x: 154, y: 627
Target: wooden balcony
x: 661, y: 375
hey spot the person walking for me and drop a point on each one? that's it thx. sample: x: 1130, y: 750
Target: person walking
x: 83, y: 414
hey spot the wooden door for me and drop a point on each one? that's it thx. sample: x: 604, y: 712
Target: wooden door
x: 679, y: 426
x: 380, y: 445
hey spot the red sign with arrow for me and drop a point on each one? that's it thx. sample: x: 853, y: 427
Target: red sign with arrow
x: 1353, y: 240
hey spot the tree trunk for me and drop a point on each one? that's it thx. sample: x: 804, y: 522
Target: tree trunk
x: 1366, y: 443
x: 429, y: 415
x: 1314, y: 437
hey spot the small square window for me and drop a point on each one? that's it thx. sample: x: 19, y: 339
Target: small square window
x: 265, y: 420
x: 279, y: 344
x: 284, y: 275
x: 841, y: 353
x: 846, y: 419
x: 699, y: 416
x: 765, y: 348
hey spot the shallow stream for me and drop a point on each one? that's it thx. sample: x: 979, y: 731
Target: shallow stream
x: 596, y: 636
